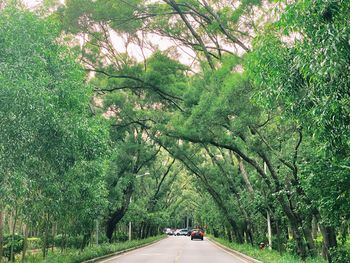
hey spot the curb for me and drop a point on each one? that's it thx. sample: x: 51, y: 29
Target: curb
x: 122, y: 251
x: 239, y: 254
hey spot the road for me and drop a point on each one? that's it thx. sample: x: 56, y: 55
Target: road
x: 178, y: 250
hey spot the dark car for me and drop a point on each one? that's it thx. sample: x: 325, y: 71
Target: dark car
x: 197, y: 234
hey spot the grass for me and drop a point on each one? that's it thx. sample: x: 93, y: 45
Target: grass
x: 77, y: 256
x: 266, y: 256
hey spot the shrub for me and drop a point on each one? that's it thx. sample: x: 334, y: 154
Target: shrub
x: 340, y: 255
x: 34, y: 243
x: 69, y: 242
x: 121, y: 237
x: 76, y: 255
x: 16, y: 241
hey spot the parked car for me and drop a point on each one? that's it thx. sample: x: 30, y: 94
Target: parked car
x: 197, y: 234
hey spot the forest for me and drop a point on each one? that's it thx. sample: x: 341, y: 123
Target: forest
x: 119, y: 118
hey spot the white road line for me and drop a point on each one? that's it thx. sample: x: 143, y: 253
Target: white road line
x: 129, y: 252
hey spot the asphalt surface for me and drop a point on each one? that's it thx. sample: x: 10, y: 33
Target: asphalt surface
x: 178, y: 250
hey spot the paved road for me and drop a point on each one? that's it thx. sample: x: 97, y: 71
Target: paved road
x: 178, y: 250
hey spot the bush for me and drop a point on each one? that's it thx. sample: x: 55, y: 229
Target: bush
x: 266, y: 255
x: 34, y: 243
x: 69, y: 242
x: 340, y: 255
x: 102, y: 239
x: 16, y: 241
x: 76, y: 256
x: 291, y: 247
x: 121, y: 237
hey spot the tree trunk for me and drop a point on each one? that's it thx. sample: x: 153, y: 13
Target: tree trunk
x: 245, y: 176
x: 46, y: 238
x: 269, y: 231
x: 113, y: 221
x: 309, y: 241
x: 314, y: 227
x: 85, y: 241
x: 117, y: 215
x: 278, y: 236
x: 298, y: 237
x: 329, y: 240
x: 25, y: 243
x: 228, y: 234
x: 1, y: 234
x: 12, y: 255
x: 295, y: 227
x: 64, y: 240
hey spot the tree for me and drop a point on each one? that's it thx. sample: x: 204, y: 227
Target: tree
x: 299, y: 66
x: 48, y: 132
x: 243, y: 118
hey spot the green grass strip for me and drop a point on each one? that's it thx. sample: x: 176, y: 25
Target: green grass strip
x: 266, y: 255
x: 77, y: 256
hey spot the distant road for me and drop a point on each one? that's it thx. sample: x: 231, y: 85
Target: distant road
x: 178, y: 250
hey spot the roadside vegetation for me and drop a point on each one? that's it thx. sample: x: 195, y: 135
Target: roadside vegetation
x: 265, y: 255
x: 121, y: 118
x: 91, y: 252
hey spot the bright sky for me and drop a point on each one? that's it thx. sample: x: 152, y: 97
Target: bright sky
x: 185, y: 55
x: 33, y: 3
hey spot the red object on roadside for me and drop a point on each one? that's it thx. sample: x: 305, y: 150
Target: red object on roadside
x: 261, y: 245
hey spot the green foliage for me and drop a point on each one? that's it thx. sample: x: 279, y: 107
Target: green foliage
x: 299, y: 66
x: 76, y: 256
x: 75, y: 10
x: 52, y: 149
x: 340, y: 255
x: 34, y: 243
x: 69, y: 156
x: 14, y: 242
x: 306, y: 72
x: 120, y: 237
x: 266, y: 256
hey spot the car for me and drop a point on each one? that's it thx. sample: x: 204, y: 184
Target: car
x: 169, y: 231
x: 197, y: 234
x: 182, y: 232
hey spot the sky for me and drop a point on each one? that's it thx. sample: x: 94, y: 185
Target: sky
x: 185, y: 55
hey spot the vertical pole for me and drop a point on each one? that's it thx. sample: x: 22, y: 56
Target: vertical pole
x: 97, y: 231
x: 269, y: 232
x: 187, y: 221
x: 1, y: 233
x: 25, y: 243
x: 130, y: 223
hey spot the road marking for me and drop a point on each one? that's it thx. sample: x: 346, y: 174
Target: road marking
x: 179, y: 253
x: 129, y: 252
